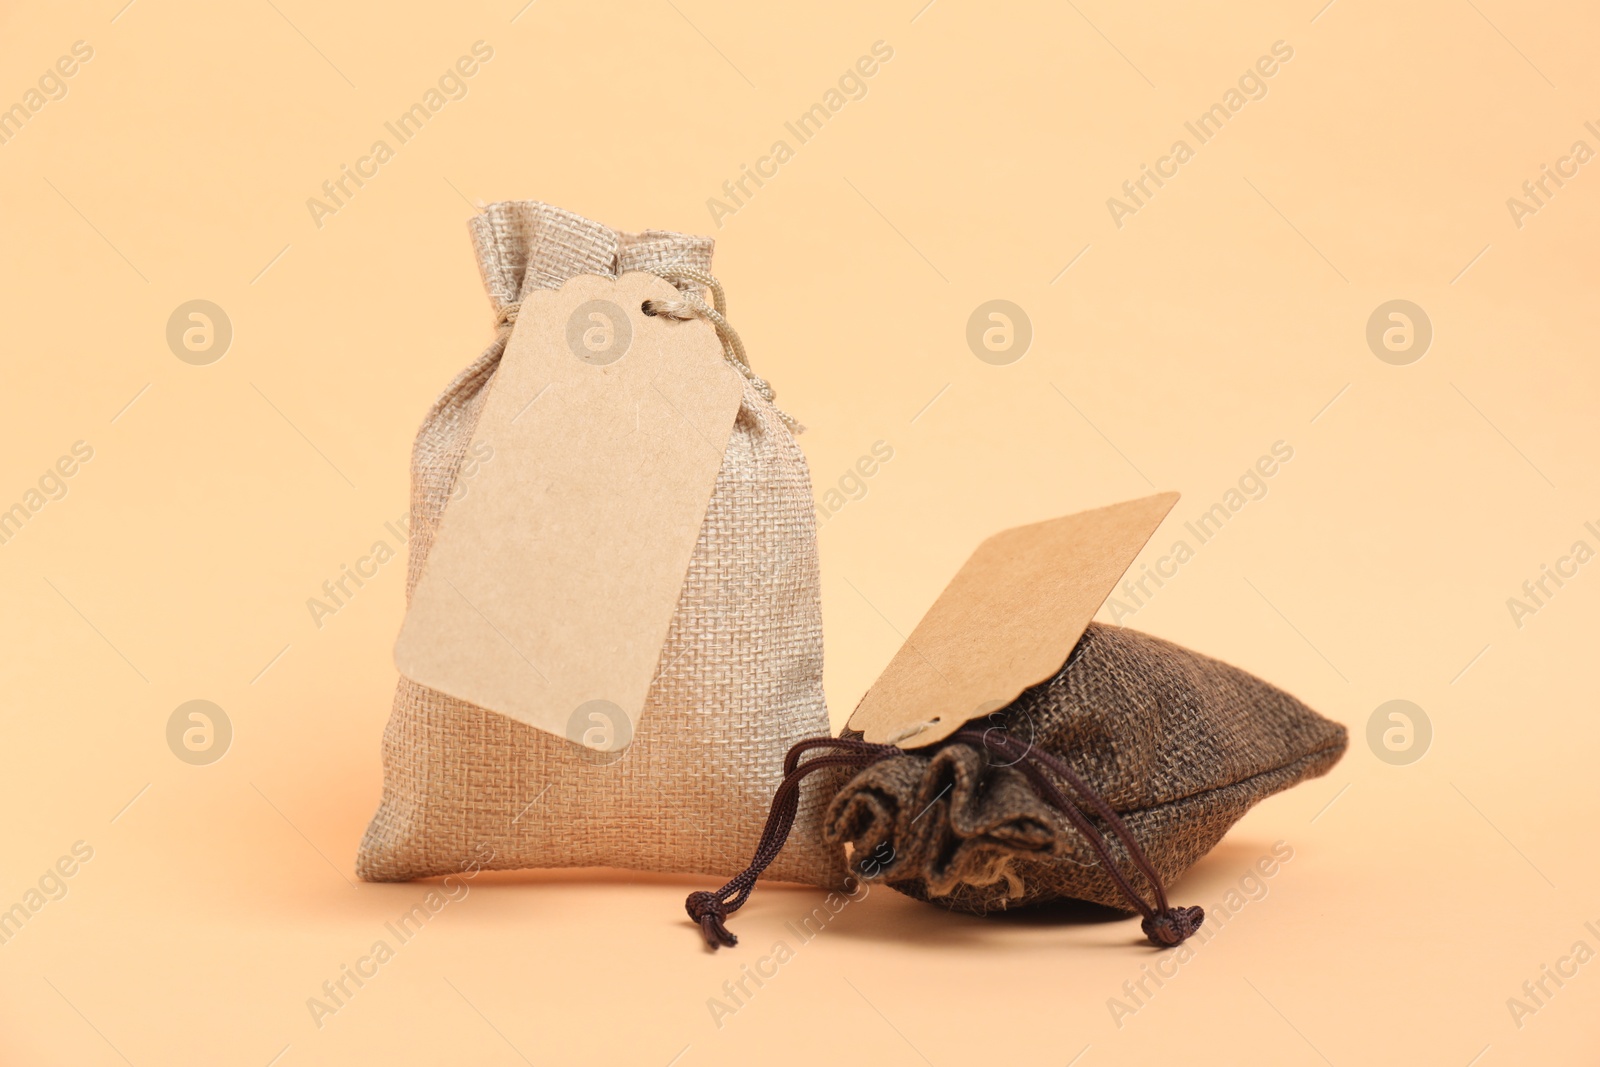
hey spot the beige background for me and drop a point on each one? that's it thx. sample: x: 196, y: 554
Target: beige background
x: 1227, y: 314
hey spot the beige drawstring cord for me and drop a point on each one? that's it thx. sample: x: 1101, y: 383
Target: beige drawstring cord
x: 692, y: 305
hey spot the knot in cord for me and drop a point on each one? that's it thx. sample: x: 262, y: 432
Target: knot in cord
x: 709, y: 911
x: 1173, y: 926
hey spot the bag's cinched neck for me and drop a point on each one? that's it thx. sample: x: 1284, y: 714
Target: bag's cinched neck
x: 526, y: 245
x: 1163, y: 924
x: 690, y: 305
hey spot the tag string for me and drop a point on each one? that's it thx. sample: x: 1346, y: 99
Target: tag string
x: 692, y: 305
x: 1164, y: 925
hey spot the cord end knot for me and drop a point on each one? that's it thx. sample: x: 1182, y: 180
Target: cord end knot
x: 1173, y: 926
x: 708, y: 910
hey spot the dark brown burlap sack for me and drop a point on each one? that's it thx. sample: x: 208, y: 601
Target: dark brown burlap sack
x: 1103, y: 783
x: 1178, y: 744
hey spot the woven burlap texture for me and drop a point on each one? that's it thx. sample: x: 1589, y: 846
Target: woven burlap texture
x: 740, y: 677
x: 1179, y: 744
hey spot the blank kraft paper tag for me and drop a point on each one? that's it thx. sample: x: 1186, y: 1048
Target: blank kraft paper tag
x: 1008, y: 620
x: 552, y: 582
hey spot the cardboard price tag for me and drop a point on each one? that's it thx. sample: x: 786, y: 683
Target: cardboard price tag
x: 551, y: 585
x: 1007, y: 621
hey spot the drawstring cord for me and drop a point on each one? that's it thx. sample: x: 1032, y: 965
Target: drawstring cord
x: 692, y: 305
x: 711, y: 910
x: 1164, y: 925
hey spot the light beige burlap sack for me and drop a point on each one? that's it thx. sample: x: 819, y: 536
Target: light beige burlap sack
x: 740, y: 677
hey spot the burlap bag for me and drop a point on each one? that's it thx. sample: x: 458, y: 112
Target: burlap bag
x: 1134, y: 742
x: 1178, y: 744
x: 740, y: 677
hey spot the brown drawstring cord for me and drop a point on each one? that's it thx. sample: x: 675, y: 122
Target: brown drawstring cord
x: 711, y: 909
x: 1164, y: 925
